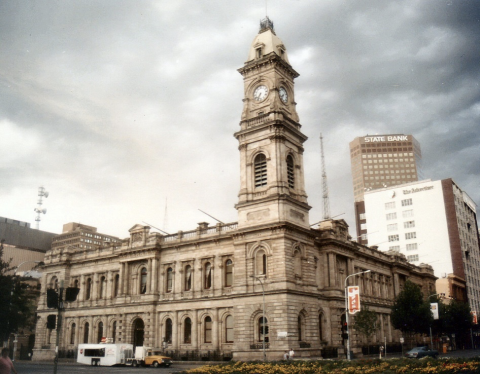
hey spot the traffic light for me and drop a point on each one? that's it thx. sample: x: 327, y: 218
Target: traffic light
x: 51, y: 321
x: 344, y: 330
x: 71, y: 294
x: 52, y: 298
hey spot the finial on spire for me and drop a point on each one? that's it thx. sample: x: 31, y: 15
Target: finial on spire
x: 266, y: 23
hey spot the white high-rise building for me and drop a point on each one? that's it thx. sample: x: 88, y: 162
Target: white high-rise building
x: 432, y: 222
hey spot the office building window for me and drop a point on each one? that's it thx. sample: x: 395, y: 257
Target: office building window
x: 407, y: 213
x: 412, y: 246
x: 410, y: 235
x: 391, y: 216
x: 407, y: 202
x: 390, y: 205
x: 392, y: 227
x: 409, y: 224
x: 412, y: 258
x: 393, y: 238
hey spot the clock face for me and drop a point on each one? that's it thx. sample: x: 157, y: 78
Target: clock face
x: 260, y: 93
x: 282, y: 92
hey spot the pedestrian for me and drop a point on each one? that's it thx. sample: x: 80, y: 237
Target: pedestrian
x: 285, y: 356
x: 6, y: 365
x: 291, y: 354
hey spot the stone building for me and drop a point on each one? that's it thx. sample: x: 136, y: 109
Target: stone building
x: 203, y: 292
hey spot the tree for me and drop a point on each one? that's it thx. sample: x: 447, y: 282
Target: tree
x: 16, y: 306
x: 365, y: 323
x: 410, y: 313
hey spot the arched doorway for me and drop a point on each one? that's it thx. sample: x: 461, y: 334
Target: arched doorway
x: 138, y: 332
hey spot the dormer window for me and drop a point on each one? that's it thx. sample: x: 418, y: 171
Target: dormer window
x: 258, y: 52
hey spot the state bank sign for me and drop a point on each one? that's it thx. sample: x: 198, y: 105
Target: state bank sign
x: 353, y: 299
x: 389, y: 138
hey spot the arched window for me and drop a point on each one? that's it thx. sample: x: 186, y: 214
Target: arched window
x: 208, y: 330
x: 88, y: 290
x: 260, y: 165
x: 262, y: 329
x: 261, y: 262
x: 208, y: 276
x: 86, y: 331
x: 114, y: 331
x: 103, y: 287
x: 169, y: 280
x: 290, y: 172
x: 75, y: 283
x: 99, y: 332
x: 54, y: 283
x: 229, y: 329
x: 116, y: 284
x: 187, y: 331
x: 228, y: 273
x: 72, y: 333
x: 168, y: 330
x: 143, y: 280
x: 188, y: 278
x: 297, y: 262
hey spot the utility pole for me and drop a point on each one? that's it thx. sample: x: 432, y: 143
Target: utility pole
x: 326, y: 201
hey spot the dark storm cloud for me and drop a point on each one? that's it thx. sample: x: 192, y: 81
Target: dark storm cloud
x: 119, y: 104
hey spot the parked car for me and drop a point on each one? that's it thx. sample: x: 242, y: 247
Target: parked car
x: 420, y: 352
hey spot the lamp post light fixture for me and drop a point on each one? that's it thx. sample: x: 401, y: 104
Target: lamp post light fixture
x: 347, y: 311
x: 263, y: 315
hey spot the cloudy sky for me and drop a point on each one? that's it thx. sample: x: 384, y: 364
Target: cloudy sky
x: 125, y: 110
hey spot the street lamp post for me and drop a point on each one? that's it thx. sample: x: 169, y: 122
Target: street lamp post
x: 10, y: 304
x: 263, y: 316
x: 347, y: 311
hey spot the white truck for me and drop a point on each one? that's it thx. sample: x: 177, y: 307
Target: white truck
x: 104, y: 354
x: 147, y: 356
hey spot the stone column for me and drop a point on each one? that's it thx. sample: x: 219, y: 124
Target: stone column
x: 154, y: 278
x: 149, y: 276
x: 121, y: 280
x: 215, y: 328
x: 332, y: 270
x: 196, y: 325
x: 81, y: 295
x: 176, y: 328
x: 126, y: 279
x: 95, y: 287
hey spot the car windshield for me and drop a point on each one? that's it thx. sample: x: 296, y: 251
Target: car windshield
x: 418, y: 349
x: 157, y: 353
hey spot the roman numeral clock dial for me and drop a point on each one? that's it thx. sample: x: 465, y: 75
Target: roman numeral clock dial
x: 260, y: 93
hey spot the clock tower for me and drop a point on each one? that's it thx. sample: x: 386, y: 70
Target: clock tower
x: 272, y: 187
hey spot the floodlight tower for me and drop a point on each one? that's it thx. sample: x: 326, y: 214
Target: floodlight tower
x: 326, y: 201
x: 41, y: 194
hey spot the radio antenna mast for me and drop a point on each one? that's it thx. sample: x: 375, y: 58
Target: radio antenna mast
x: 326, y: 201
x: 41, y: 193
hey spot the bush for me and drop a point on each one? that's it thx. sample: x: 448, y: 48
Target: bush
x: 377, y: 366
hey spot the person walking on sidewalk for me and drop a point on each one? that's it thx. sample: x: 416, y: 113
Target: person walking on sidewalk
x: 6, y: 365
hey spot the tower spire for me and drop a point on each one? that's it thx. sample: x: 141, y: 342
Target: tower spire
x: 326, y: 201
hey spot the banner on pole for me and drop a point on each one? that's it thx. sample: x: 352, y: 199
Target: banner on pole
x: 434, y: 310
x: 474, y: 315
x: 353, y: 299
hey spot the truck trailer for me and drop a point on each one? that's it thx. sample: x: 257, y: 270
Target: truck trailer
x: 104, y: 354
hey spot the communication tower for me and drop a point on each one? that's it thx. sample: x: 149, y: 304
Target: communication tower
x: 326, y: 201
x: 39, y: 210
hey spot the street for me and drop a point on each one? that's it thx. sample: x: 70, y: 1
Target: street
x: 27, y: 367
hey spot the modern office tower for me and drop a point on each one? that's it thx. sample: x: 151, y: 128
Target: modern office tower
x: 381, y: 161
x: 431, y: 222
